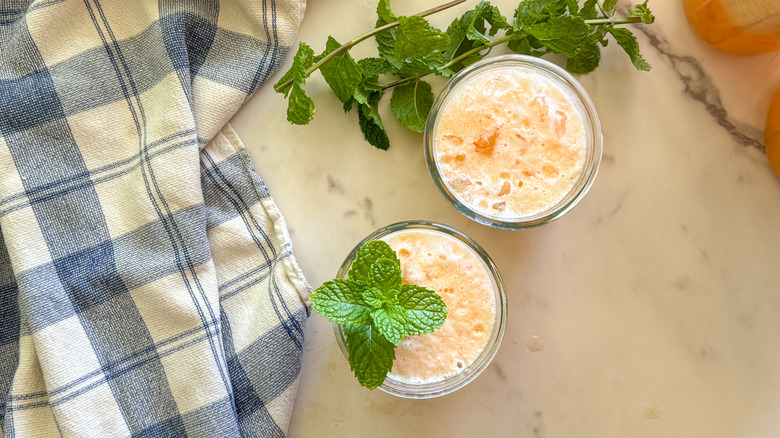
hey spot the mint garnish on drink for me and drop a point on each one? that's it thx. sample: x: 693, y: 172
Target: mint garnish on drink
x: 377, y: 310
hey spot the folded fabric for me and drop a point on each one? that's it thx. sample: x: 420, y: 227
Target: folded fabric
x: 147, y: 283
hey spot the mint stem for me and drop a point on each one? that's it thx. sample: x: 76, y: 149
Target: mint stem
x: 351, y: 43
x: 506, y: 39
x: 612, y: 20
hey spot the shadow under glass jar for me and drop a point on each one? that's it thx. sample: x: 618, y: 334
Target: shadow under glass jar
x: 469, y: 371
x: 451, y: 184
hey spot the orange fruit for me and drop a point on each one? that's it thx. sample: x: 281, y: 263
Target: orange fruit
x: 742, y: 27
x: 772, y: 133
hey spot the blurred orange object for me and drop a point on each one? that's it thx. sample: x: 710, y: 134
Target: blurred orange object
x: 772, y: 133
x: 742, y: 27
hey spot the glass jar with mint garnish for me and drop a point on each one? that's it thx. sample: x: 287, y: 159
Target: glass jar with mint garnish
x: 419, y: 309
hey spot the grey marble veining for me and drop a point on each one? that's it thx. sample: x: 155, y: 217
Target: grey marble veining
x: 699, y: 86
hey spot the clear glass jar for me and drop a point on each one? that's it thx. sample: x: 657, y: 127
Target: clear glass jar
x: 470, y: 371
x: 568, y: 87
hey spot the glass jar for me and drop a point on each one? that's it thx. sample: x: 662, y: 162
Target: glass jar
x: 469, y: 371
x: 741, y: 27
x: 542, y: 75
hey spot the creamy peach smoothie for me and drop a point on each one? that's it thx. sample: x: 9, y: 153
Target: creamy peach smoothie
x: 510, y: 143
x: 453, y: 270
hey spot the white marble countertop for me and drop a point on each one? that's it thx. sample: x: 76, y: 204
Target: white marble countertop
x: 656, y: 297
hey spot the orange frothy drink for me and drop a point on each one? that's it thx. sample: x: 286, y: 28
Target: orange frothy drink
x: 512, y: 143
x: 446, y: 261
x: 451, y: 269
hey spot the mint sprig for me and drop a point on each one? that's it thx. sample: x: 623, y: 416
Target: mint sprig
x: 377, y: 310
x: 409, y: 48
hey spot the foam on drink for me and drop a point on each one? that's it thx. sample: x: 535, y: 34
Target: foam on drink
x: 510, y: 143
x: 450, y: 268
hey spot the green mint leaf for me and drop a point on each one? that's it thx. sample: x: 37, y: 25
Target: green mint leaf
x: 411, y: 103
x: 386, y: 40
x: 573, y: 6
x: 385, y: 275
x: 565, y: 35
x: 642, y: 11
x: 374, y: 67
x: 370, y: 354
x: 589, y: 10
x: 470, y: 31
x: 423, y: 66
x: 485, y: 13
x: 341, y: 72
x: 304, y: 58
x: 341, y: 302
x: 415, y: 38
x: 385, y: 12
x: 526, y: 45
x: 374, y: 297
x: 586, y: 60
x: 369, y: 253
x: 425, y: 310
x: 609, y: 6
x: 530, y: 12
x: 349, y: 104
x: 361, y: 96
x: 300, y: 107
x: 372, y: 127
x: 627, y: 41
x: 457, y: 32
x: 391, y: 321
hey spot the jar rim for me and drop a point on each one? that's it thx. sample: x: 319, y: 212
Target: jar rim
x: 469, y: 373
x: 567, y: 83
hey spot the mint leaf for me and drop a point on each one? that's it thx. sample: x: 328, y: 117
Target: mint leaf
x: 370, y: 354
x: 486, y: 13
x: 384, y: 12
x: 369, y: 253
x: 423, y: 66
x: 609, y: 6
x: 391, y: 322
x: 470, y: 31
x: 341, y: 302
x: 588, y: 10
x: 372, y: 127
x: 300, y: 107
x: 627, y: 41
x: 425, y: 310
x: 530, y: 12
x: 386, y: 40
x: 415, y: 38
x: 586, y: 60
x: 374, y: 297
x: 411, y: 103
x: 385, y: 275
x: 304, y: 58
x: 564, y: 35
x: 642, y: 11
x: 373, y: 68
x: 341, y: 72
x: 526, y: 45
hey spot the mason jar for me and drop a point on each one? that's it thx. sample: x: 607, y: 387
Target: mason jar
x: 513, y: 141
x: 438, y: 363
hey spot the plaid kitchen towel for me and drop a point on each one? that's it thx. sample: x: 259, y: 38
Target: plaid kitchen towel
x: 147, y: 284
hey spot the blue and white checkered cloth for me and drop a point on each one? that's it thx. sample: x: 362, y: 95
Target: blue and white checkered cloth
x: 147, y: 284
